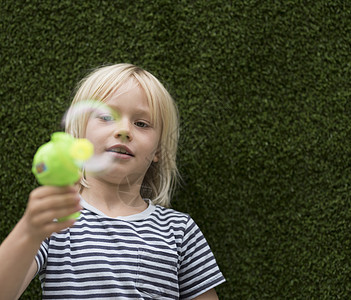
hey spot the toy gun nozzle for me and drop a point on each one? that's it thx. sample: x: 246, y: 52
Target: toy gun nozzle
x: 81, y: 150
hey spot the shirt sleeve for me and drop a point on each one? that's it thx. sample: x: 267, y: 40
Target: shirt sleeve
x: 42, y: 255
x: 199, y: 271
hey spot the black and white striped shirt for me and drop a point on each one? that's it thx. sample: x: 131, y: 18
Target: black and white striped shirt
x: 157, y: 254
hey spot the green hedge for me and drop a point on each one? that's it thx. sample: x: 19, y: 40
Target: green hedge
x: 263, y: 89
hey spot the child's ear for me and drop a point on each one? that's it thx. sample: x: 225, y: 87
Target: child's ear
x: 155, y: 158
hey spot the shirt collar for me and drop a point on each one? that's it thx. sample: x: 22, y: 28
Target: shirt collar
x: 136, y: 217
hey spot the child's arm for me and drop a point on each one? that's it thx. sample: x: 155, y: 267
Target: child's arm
x: 28, y: 278
x: 209, y: 295
x: 17, y: 252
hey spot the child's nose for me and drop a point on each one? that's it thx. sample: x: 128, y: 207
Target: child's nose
x: 123, y: 130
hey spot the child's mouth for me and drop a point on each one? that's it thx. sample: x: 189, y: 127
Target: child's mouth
x: 121, y: 151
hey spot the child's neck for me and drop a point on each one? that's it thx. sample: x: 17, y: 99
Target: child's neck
x: 114, y: 200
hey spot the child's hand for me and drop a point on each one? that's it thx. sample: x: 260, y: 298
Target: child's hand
x: 47, y: 203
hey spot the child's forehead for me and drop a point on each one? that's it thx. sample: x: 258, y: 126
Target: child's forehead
x: 134, y: 107
x: 128, y: 93
x: 135, y: 94
x: 125, y: 87
x: 131, y: 97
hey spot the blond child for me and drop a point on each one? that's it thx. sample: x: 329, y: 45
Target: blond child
x: 127, y: 242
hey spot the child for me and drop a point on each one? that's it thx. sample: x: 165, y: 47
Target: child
x: 126, y: 243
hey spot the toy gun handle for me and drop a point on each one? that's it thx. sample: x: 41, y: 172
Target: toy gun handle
x: 59, y: 162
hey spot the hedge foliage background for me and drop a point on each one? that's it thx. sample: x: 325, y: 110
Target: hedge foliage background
x: 263, y: 88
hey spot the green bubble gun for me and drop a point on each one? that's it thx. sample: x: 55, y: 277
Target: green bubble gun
x: 59, y: 162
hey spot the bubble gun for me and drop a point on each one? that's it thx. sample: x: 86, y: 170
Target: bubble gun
x: 59, y: 162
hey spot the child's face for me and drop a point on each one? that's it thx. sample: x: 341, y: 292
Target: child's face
x: 131, y: 141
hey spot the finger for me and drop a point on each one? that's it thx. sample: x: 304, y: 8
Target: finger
x: 47, y: 217
x: 43, y: 191
x: 53, y: 202
x: 57, y: 226
x: 59, y: 201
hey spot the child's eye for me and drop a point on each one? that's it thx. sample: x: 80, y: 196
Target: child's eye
x: 106, y: 118
x: 141, y: 124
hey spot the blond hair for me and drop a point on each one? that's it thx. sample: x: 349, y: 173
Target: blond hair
x: 161, y: 177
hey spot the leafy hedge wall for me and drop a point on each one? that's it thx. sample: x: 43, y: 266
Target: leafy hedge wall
x: 263, y: 88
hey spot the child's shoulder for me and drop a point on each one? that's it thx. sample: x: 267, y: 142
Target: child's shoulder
x: 170, y: 214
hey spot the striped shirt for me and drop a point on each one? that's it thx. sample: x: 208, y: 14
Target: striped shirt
x: 157, y: 254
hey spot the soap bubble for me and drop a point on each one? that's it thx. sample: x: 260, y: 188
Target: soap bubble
x: 98, y: 163
x: 84, y: 110
x: 87, y: 109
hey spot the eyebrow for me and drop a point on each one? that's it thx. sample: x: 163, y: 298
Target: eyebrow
x: 136, y: 111
x: 141, y: 112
